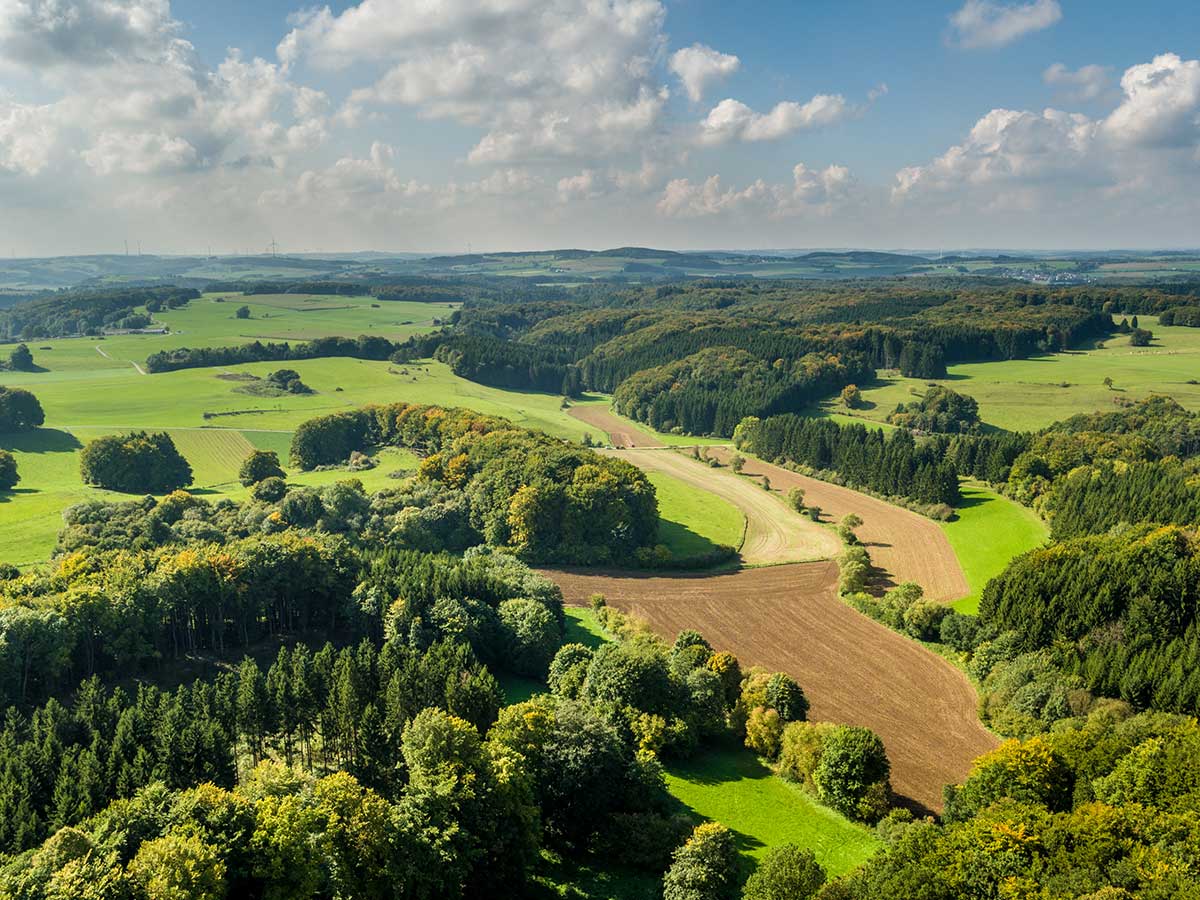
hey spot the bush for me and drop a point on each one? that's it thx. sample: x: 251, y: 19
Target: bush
x: 269, y: 490
x: 852, y: 775
x: 787, y: 872
x: 19, y: 410
x: 960, y: 631
x: 764, y: 729
x: 243, y: 312
x: 140, y: 462
x: 259, y: 466
x: 8, y: 471
x: 795, y: 499
x: 21, y: 360
x: 531, y: 635
x: 705, y: 868
x: 800, y: 751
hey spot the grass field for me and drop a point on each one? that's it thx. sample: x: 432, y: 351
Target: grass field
x: 732, y: 787
x: 1028, y: 394
x: 989, y: 531
x: 693, y: 521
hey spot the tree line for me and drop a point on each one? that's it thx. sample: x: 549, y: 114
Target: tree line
x: 859, y: 457
x: 363, y: 347
x: 86, y: 311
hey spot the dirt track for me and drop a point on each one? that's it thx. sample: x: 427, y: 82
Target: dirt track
x: 774, y: 533
x: 905, y: 546
x: 853, y: 670
x: 621, y: 434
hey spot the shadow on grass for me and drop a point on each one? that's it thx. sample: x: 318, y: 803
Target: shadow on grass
x: 727, y: 765
x: 40, y: 440
x: 682, y: 541
x: 11, y: 494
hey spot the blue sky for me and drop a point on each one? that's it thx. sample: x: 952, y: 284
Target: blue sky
x: 428, y: 124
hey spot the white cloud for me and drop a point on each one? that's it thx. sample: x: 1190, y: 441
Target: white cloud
x: 811, y: 192
x: 28, y: 135
x: 1161, y: 106
x: 733, y: 120
x: 78, y: 33
x: 982, y: 23
x: 1084, y: 84
x: 582, y: 186
x: 544, y: 80
x: 699, y: 65
x: 1146, y: 149
x: 141, y: 153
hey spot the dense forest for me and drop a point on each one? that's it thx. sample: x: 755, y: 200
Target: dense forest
x: 895, y: 465
x: 80, y: 312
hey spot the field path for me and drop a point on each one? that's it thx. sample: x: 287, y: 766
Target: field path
x: 774, y: 533
x: 621, y: 434
x: 904, y: 545
x: 854, y: 670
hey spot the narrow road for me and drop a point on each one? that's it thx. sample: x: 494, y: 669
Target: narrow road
x: 774, y: 533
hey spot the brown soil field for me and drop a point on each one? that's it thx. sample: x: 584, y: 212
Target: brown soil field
x: 774, y: 533
x: 853, y: 670
x: 622, y: 434
x: 903, y: 545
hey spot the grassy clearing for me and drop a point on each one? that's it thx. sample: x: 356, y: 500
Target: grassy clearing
x: 989, y: 531
x: 732, y: 787
x: 693, y: 521
x: 1028, y: 394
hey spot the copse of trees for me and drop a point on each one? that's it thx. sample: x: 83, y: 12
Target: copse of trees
x: 19, y: 410
x: 140, y: 462
x: 711, y: 391
x: 859, y: 457
x: 85, y: 311
x: 543, y: 499
x: 940, y: 409
x: 362, y: 347
x: 1181, y: 315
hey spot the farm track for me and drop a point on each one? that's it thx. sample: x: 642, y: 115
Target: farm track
x: 854, y: 670
x: 904, y: 545
x: 621, y: 434
x: 774, y: 533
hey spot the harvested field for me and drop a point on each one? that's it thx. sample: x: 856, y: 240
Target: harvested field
x: 854, y: 670
x: 774, y: 533
x: 903, y: 545
x: 621, y: 434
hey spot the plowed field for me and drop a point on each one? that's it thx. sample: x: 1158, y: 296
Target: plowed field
x: 853, y: 670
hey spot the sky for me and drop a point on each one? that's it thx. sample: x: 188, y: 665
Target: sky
x: 448, y: 125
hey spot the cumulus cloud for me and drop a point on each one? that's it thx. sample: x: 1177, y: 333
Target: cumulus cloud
x: 810, y: 192
x: 982, y: 23
x: 733, y: 120
x: 50, y: 33
x: 545, y: 80
x: 699, y: 65
x: 27, y: 136
x: 1082, y: 85
x: 1147, y: 147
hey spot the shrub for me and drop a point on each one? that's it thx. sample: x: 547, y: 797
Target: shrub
x: 259, y: 466
x: 243, y: 312
x: 269, y: 490
x: 21, y: 360
x: 8, y: 471
x: 852, y: 775
x: 140, y: 462
x: 795, y: 499
x: 787, y: 872
x: 531, y: 634
x: 800, y: 750
x: 19, y: 410
x: 705, y: 868
x: 764, y: 729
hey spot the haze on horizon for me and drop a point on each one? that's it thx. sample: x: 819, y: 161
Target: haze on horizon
x: 522, y: 124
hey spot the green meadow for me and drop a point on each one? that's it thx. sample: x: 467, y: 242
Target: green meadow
x: 693, y: 521
x: 988, y: 531
x: 1028, y: 394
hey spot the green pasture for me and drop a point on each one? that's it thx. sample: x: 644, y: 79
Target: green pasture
x: 1028, y: 394
x: 987, y: 533
x: 734, y: 788
x: 692, y: 521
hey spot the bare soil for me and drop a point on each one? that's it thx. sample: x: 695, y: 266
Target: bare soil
x: 854, y: 670
x: 774, y: 532
x: 904, y: 545
x: 621, y: 434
